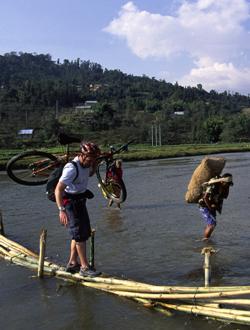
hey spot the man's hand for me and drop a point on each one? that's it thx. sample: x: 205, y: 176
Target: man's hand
x: 63, y: 218
x: 59, y: 191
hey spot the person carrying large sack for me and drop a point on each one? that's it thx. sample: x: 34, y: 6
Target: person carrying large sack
x: 208, y: 189
x: 214, y: 192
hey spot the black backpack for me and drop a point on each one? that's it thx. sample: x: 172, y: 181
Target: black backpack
x: 53, y: 180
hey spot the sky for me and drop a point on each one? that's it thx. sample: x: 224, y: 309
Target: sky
x: 186, y: 41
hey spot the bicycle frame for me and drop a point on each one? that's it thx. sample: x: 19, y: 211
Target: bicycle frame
x: 33, y: 168
x: 38, y: 167
x: 111, y: 189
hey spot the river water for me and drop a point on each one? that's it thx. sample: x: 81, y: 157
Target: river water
x: 152, y: 239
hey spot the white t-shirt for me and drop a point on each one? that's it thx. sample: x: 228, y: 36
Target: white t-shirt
x: 80, y: 184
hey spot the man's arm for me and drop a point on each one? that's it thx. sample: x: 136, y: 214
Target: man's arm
x: 59, y: 201
x: 208, y: 201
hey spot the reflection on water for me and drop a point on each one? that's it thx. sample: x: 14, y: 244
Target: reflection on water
x: 113, y: 217
x: 153, y: 238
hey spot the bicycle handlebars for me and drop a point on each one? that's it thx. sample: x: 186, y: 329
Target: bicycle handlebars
x: 65, y: 139
x: 123, y: 148
x: 113, y: 151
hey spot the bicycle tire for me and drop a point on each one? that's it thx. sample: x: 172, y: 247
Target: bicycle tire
x: 19, y: 168
x: 115, y: 190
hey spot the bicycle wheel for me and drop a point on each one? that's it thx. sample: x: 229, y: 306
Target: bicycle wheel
x: 111, y: 189
x: 31, y: 168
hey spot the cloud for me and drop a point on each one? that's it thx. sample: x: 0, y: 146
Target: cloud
x: 144, y: 32
x: 218, y: 76
x: 200, y: 29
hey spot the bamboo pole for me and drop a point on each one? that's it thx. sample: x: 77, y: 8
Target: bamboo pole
x: 132, y: 285
x: 13, y: 254
x: 243, y: 302
x: 4, y: 252
x: 111, y: 287
x: 207, y: 308
x: 207, y: 252
x: 29, y: 259
x: 147, y: 303
x: 17, y: 246
x: 226, y: 310
x: 197, y: 300
x: 198, y: 310
x: 182, y: 296
x: 92, y: 249
x: 1, y: 224
x: 42, y: 253
x: 103, y: 286
x: 107, y: 280
x: 18, y: 260
x: 147, y: 287
x: 213, y: 305
x: 118, y: 289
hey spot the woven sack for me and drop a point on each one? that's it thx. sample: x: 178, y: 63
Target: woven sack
x: 208, y: 168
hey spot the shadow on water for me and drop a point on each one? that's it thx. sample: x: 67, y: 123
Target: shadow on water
x: 153, y: 238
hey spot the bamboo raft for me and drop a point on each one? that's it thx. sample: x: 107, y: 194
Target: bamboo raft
x: 228, y: 304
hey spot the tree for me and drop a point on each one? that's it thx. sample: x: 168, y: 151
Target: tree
x: 31, y: 84
x: 212, y: 129
x: 237, y: 129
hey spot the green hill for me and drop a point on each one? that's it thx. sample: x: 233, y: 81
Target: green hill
x: 107, y: 105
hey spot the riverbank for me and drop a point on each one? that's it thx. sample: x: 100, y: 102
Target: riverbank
x: 172, y: 151
x: 146, y: 152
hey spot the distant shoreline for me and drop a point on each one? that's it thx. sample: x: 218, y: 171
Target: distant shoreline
x: 146, y: 152
x: 184, y: 151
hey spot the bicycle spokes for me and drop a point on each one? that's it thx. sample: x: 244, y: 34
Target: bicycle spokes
x: 31, y: 167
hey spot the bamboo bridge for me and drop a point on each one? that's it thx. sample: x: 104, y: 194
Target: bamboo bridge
x: 228, y: 304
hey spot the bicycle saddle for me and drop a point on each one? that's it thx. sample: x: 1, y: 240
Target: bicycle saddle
x: 66, y: 139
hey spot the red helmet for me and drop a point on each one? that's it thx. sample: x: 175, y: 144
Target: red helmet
x: 89, y: 148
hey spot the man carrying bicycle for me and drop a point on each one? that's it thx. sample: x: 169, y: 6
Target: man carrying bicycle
x: 71, y: 193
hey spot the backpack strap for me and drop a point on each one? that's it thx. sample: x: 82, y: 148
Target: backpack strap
x: 76, y: 167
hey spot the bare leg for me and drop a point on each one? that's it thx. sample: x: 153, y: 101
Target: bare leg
x: 73, y: 253
x: 81, y: 251
x: 208, y: 231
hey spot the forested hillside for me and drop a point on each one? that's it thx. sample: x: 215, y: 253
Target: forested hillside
x: 48, y: 96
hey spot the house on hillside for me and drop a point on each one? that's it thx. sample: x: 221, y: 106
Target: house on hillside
x: 25, y: 134
x: 85, y: 108
x: 179, y: 113
x: 82, y: 107
x: 90, y: 103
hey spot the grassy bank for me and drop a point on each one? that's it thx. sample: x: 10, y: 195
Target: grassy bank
x: 168, y: 151
x: 146, y: 152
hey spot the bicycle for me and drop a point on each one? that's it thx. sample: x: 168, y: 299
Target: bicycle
x: 32, y: 168
x: 111, y: 189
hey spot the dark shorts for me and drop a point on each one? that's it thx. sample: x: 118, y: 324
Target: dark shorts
x: 79, y: 224
x: 208, y: 216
